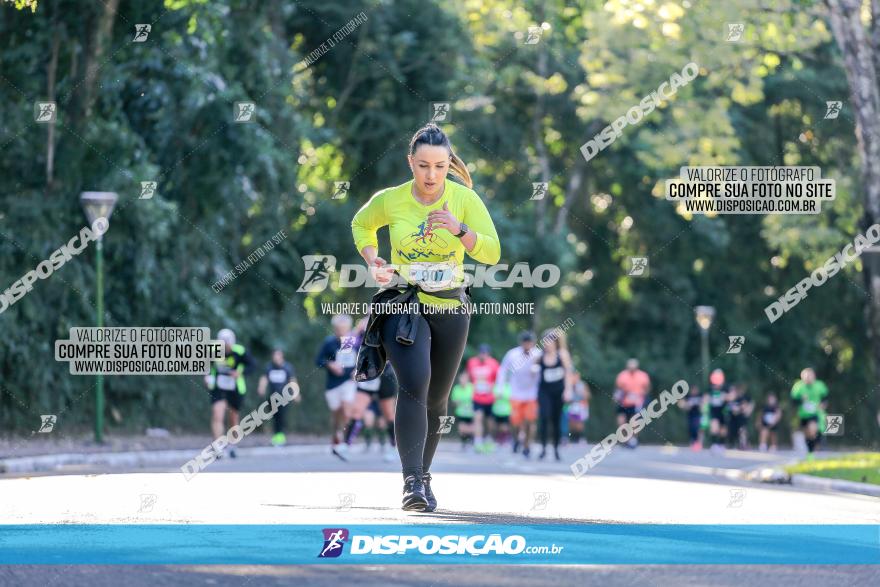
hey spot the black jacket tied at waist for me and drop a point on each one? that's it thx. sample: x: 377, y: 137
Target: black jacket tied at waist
x: 371, y: 356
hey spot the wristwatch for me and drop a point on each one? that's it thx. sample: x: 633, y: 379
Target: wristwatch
x: 463, y: 231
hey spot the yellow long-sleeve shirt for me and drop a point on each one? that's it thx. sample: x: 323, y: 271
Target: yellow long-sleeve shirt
x: 406, y: 219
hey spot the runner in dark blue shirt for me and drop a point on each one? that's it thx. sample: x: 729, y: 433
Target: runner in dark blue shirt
x: 338, y: 355
x: 277, y: 374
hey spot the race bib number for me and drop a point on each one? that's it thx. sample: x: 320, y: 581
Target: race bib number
x: 554, y: 374
x: 769, y: 419
x: 482, y: 387
x: 226, y: 382
x: 346, y: 358
x: 809, y: 407
x: 432, y: 276
x: 278, y: 376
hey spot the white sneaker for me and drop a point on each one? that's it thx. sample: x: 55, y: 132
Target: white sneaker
x: 340, y: 450
x: 389, y: 454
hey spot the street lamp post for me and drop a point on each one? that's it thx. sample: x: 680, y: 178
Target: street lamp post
x: 99, y: 205
x: 704, y: 316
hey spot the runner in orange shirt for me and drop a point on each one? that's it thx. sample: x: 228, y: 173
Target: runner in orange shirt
x: 630, y: 390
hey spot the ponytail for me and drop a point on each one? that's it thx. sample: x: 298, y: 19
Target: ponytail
x: 430, y: 134
x: 459, y: 168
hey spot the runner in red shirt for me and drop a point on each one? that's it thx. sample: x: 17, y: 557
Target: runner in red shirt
x: 482, y: 371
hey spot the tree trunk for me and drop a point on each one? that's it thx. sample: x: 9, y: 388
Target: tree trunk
x: 50, y: 139
x: 860, y: 60
x: 101, y: 33
x: 572, y: 190
x: 538, y: 137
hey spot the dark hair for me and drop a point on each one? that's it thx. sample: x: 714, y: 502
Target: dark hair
x: 430, y: 134
x: 525, y: 335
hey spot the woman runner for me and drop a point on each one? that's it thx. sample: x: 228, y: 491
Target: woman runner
x: 432, y: 221
x: 553, y: 385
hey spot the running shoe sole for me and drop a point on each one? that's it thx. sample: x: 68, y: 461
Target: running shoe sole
x: 415, y: 504
x: 341, y: 457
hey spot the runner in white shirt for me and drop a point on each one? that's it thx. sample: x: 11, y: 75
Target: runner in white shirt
x: 519, y: 370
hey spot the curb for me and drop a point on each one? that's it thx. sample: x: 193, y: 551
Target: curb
x: 826, y: 484
x: 42, y: 463
x: 777, y: 475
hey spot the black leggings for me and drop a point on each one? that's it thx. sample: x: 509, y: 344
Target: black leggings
x: 425, y: 371
x: 550, y: 410
x: 695, y: 421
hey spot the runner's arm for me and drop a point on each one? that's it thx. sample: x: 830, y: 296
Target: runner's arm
x: 487, y: 248
x: 248, y: 360
x: 565, y: 357
x: 502, y: 376
x: 366, y: 222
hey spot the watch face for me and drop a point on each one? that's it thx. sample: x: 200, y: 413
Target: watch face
x: 464, y: 229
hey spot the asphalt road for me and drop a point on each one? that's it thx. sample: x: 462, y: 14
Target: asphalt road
x: 306, y: 485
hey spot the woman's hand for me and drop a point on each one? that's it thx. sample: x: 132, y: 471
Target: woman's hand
x: 444, y: 219
x: 381, y: 271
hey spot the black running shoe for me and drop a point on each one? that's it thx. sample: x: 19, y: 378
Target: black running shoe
x: 232, y: 454
x: 543, y: 453
x: 414, y: 499
x: 429, y: 495
x: 556, y: 454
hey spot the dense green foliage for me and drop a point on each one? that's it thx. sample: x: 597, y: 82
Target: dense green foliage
x: 162, y: 110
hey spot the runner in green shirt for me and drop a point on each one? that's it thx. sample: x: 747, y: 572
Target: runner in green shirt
x: 462, y: 398
x: 501, y: 413
x: 810, y: 396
